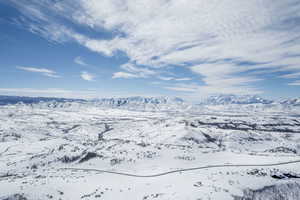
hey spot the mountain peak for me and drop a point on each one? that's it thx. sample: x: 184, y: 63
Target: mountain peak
x: 292, y: 101
x: 139, y: 100
x: 224, y: 99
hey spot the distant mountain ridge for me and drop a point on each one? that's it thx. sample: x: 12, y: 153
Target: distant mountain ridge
x: 143, y: 103
x: 147, y: 103
x: 235, y: 99
x: 293, y: 101
x: 5, y: 100
x: 130, y: 103
x: 138, y: 100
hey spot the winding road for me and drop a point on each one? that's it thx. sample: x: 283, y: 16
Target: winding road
x: 182, y: 170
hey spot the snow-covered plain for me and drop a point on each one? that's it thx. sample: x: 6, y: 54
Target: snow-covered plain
x: 57, y: 151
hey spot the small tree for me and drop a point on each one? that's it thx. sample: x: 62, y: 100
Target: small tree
x: 106, y: 129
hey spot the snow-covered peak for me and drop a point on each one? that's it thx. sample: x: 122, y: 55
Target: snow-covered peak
x: 143, y: 103
x: 235, y: 99
x: 292, y: 102
x: 139, y: 100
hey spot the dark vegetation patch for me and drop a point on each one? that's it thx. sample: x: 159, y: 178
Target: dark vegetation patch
x: 16, y: 197
x: 89, y: 156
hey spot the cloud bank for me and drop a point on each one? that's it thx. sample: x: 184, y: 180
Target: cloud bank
x: 231, y: 45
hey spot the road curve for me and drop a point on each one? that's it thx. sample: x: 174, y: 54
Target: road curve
x: 181, y: 170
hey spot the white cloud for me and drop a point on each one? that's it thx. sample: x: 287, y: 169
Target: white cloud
x: 291, y: 75
x: 159, y: 33
x: 43, y: 71
x: 39, y: 70
x: 183, y: 88
x: 78, y: 60
x: 168, y: 78
x: 194, y: 91
x: 222, y: 77
x: 165, y: 78
x: 133, y: 71
x: 125, y: 75
x: 295, y: 83
x: 52, y: 75
x: 182, y: 79
x: 139, y: 71
x: 87, y: 76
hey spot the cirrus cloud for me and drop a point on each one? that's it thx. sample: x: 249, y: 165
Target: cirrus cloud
x: 43, y: 71
x: 125, y: 75
x: 223, y: 42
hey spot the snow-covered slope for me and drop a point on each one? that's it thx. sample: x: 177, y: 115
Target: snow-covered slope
x: 54, y: 150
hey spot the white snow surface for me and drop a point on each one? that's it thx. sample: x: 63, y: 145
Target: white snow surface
x: 52, y: 150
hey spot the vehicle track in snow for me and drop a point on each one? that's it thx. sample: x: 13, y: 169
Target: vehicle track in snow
x: 181, y: 170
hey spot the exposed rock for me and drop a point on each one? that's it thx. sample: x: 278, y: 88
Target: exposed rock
x: 15, y: 197
x: 88, y: 156
x: 287, y: 191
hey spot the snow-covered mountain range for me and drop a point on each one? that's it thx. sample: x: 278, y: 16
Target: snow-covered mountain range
x: 148, y: 103
x: 118, y: 102
x: 294, y: 102
x: 5, y: 100
x: 143, y: 103
x: 235, y: 99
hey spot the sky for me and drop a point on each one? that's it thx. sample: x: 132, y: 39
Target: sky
x: 117, y: 48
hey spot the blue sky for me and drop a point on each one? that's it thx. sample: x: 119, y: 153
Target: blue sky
x: 106, y: 48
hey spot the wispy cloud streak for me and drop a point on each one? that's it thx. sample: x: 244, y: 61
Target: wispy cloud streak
x: 221, y: 41
x: 43, y: 71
